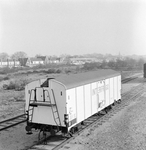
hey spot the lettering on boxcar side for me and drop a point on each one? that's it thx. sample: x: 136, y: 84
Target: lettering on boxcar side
x: 100, y: 89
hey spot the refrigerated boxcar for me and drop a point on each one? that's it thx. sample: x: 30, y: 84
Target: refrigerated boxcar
x: 62, y: 102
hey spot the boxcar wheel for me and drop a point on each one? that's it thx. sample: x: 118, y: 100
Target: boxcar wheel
x: 52, y: 132
x: 72, y: 130
x: 119, y: 101
x: 82, y: 123
x: 76, y: 129
x: 42, y: 135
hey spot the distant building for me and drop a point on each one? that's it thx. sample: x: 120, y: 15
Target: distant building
x: 3, y: 63
x: 9, y: 63
x: 54, y: 60
x: 31, y: 61
x: 44, y: 58
x: 80, y: 61
x: 35, y: 61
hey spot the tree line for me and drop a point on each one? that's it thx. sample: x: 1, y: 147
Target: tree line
x: 15, y: 56
x: 118, y: 64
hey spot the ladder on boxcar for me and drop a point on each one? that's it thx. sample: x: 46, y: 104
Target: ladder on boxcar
x: 54, y: 107
x: 31, y: 108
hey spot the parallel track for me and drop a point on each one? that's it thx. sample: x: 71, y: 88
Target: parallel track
x: 12, y: 122
x: 129, y: 79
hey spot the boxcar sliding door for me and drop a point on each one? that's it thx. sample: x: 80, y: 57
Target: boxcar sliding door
x: 101, y: 95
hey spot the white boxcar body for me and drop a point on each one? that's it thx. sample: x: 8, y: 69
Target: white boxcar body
x: 78, y: 96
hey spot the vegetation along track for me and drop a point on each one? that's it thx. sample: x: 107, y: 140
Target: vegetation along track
x: 12, y: 122
x: 57, y: 142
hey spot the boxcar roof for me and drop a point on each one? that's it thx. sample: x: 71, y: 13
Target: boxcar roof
x: 79, y: 79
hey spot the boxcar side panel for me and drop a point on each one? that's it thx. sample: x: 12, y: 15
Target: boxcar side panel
x: 107, y: 96
x: 115, y: 88
x: 88, y: 102
x: 111, y: 90
x: 80, y: 103
x: 119, y: 87
x: 71, y: 106
x: 94, y: 97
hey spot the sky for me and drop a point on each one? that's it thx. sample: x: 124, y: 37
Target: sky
x: 74, y: 27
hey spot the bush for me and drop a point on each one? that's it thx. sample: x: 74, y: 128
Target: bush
x: 16, y: 85
x: 5, y: 86
x: 35, y: 71
x: 58, y: 71
x: 52, y: 70
x: 67, y: 71
x: 6, y: 78
x: 9, y: 86
x: 91, y: 66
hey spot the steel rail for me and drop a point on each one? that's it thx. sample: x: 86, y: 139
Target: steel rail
x: 5, y: 124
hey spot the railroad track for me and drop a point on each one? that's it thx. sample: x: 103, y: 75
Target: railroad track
x: 12, y: 122
x: 129, y: 79
x: 59, y: 142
